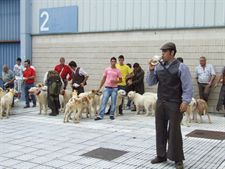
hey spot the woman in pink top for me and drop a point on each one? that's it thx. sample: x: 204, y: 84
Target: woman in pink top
x: 111, y: 78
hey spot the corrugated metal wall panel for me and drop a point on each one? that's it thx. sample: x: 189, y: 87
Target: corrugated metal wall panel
x: 189, y: 13
x: 209, y: 12
x: 145, y: 15
x: 86, y: 17
x: 100, y: 15
x: 199, y: 13
x: 106, y: 15
x: 154, y: 15
x: 116, y: 15
x: 9, y: 32
x: 121, y: 15
x: 93, y: 16
x: 170, y: 21
x: 219, y: 13
x: 113, y: 15
x: 137, y: 8
x: 9, y: 20
x: 179, y: 14
x: 129, y: 14
x: 162, y: 12
x: 8, y: 54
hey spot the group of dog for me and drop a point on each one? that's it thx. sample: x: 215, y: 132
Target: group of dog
x: 147, y: 103
x: 74, y: 106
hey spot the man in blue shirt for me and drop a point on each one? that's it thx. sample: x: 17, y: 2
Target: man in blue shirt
x: 174, y: 95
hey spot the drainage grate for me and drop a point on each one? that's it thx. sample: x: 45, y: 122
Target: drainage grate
x: 217, y: 135
x: 105, y: 154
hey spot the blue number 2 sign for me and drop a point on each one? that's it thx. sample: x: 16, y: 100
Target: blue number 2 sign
x: 58, y: 20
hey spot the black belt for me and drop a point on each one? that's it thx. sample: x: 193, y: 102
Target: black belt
x: 110, y: 87
x: 203, y: 83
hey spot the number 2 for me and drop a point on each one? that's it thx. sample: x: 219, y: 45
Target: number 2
x: 43, y: 26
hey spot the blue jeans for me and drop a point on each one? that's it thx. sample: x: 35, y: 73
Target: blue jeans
x: 106, y: 94
x: 26, y: 91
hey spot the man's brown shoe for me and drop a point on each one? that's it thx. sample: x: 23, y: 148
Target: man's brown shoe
x: 179, y: 165
x: 158, y: 160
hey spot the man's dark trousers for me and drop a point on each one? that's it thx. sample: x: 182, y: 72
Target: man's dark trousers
x: 169, y: 112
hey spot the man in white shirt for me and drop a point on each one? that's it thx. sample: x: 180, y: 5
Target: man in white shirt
x: 18, y: 72
x: 205, y: 75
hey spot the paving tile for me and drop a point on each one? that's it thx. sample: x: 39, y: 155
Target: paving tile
x: 41, y: 160
x: 104, y: 164
x: 24, y: 165
x: 56, y: 163
x: 70, y: 158
x: 43, y: 167
x: 4, y: 167
x: 124, y: 166
x: 10, y: 162
x: 88, y: 161
x: 222, y: 165
x: 25, y: 157
x: 74, y: 165
x: 27, y: 149
x: 3, y: 158
x: 12, y: 154
x: 40, y: 152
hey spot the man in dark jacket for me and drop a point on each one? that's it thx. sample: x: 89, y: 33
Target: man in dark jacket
x: 221, y: 100
x: 137, y: 81
x: 174, y: 95
x: 54, y: 86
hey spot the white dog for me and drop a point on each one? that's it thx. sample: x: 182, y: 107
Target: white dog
x: 2, y: 93
x: 64, y: 97
x: 91, y: 107
x: 94, y: 98
x: 6, y: 103
x: 97, y: 102
x: 148, y: 101
x: 69, y: 109
x: 41, y: 94
x: 76, y: 106
x: 120, y: 94
x: 190, y: 112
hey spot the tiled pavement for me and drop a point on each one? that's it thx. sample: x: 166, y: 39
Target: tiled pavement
x: 29, y: 140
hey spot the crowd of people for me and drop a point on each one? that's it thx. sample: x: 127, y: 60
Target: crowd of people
x: 132, y: 79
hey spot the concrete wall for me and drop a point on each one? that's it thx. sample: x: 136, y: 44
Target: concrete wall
x: 93, y: 51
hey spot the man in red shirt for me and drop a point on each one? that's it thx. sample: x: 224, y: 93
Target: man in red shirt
x: 64, y: 71
x: 29, y: 78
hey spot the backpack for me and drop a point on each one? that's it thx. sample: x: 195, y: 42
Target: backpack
x: 54, y: 83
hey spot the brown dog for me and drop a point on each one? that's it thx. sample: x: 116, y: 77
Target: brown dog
x: 201, y: 109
